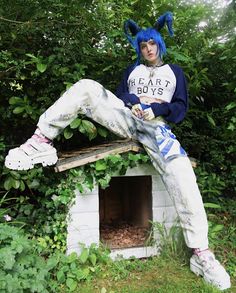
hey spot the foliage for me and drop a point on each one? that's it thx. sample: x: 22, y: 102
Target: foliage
x: 170, y: 240
x: 21, y: 269
x: 222, y: 232
x: 24, y: 270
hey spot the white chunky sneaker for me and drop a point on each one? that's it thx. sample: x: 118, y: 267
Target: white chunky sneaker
x: 203, y: 263
x: 36, y: 150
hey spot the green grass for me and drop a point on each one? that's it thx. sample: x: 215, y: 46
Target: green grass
x: 168, y: 273
x: 156, y: 275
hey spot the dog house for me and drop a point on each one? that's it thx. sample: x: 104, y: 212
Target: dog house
x: 120, y: 216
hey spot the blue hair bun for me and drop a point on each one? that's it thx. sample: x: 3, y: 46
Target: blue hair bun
x: 166, y: 18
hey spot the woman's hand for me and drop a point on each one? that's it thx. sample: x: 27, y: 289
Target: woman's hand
x: 146, y: 114
x: 137, y: 111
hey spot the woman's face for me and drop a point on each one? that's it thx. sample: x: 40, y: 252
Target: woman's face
x: 150, y: 51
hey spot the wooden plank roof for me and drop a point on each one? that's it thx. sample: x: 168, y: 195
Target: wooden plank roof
x: 72, y: 159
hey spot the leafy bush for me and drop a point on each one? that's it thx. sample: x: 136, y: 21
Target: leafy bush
x: 22, y: 270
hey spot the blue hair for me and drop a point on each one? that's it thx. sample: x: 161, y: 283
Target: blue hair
x: 145, y: 35
x: 136, y: 35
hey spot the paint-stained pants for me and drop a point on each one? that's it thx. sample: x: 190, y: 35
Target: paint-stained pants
x: 91, y: 99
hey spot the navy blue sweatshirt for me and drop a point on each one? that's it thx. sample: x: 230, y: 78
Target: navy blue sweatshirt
x: 173, y: 111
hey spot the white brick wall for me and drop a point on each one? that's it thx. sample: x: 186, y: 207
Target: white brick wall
x: 83, y: 218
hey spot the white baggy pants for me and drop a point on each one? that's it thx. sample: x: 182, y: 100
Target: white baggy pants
x: 92, y: 99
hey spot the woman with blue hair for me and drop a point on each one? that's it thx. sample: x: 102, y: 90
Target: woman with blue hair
x: 150, y: 95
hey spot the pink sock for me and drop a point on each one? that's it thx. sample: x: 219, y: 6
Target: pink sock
x: 41, y: 137
x: 197, y: 251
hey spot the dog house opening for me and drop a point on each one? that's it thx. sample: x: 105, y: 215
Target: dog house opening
x: 125, y: 212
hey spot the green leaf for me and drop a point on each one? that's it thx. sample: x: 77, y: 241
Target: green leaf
x: 67, y: 133
x: 103, y: 132
x: 217, y: 228
x: 61, y: 276
x: 211, y: 120
x: 15, y: 100
x: 107, y: 68
x: 15, y: 183
x: 75, y: 123
x: 84, y: 255
x: 33, y: 184
x: 230, y: 106
x: 114, y: 158
x: 7, y: 256
x: 223, y: 57
x: 87, y: 127
x: 82, y: 274
x: 41, y: 67
x: 15, y: 174
x: 93, y: 259
x: 72, y: 257
x: 71, y: 284
x: 100, y: 165
x: 22, y: 185
x: 178, y: 56
x: 212, y: 205
x: 8, y: 183
x: 68, y: 85
x: 32, y: 56
x: 18, y: 110
x: 104, y: 182
x: 231, y: 127
x: 52, y: 262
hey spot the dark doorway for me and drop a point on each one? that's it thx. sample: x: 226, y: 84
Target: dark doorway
x: 125, y: 210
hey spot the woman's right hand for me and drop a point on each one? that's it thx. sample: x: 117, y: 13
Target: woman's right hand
x: 137, y: 111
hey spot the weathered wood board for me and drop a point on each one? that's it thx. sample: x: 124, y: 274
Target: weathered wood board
x: 69, y: 160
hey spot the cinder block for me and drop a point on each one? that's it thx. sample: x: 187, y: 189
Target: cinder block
x: 161, y: 199
x: 83, y: 221
x: 138, y: 252
x: 157, y: 183
x: 85, y: 203
x: 86, y: 237
x: 165, y: 214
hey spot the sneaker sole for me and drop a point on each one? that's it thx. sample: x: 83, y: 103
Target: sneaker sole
x: 45, y: 160
x: 196, y: 269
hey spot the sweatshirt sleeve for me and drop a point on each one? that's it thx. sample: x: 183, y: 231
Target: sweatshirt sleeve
x: 122, y: 91
x: 174, y: 111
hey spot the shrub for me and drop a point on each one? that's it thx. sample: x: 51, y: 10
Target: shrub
x: 22, y: 270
